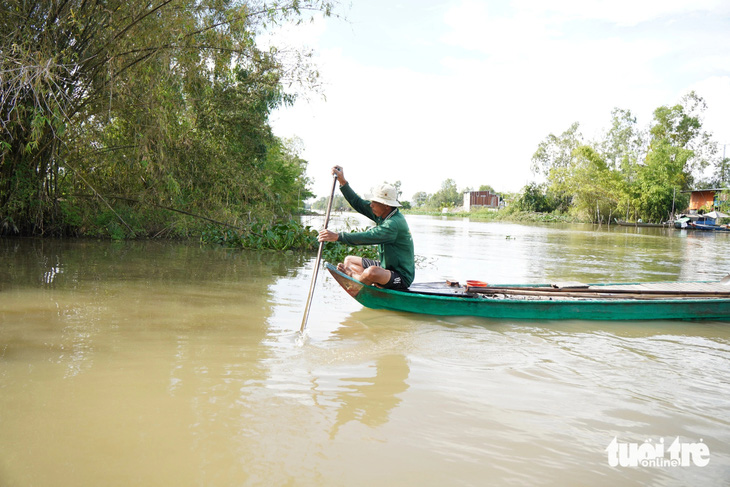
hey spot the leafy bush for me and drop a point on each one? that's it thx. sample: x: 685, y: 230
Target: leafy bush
x: 285, y: 236
x: 336, y: 251
x: 289, y: 235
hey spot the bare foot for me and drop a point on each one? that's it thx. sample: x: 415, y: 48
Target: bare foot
x: 345, y: 270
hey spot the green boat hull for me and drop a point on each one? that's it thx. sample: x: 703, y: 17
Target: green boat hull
x: 680, y: 308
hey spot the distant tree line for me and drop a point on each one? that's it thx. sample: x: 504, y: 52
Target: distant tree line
x: 449, y: 196
x: 630, y: 171
x: 127, y: 117
x: 633, y: 172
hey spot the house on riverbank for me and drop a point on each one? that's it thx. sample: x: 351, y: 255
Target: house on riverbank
x: 712, y: 198
x: 480, y: 199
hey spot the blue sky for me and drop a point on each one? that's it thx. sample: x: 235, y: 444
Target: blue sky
x: 423, y: 91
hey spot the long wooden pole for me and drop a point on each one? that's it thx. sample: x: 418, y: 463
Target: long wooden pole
x: 600, y: 293
x: 613, y: 296
x: 319, y: 257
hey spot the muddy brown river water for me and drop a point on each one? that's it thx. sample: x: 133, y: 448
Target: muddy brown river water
x: 158, y: 363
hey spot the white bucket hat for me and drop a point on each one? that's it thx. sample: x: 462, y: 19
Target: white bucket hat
x: 386, y: 195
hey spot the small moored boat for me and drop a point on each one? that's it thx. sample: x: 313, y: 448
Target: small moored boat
x: 696, y: 300
x: 709, y: 228
x: 624, y: 223
x: 707, y: 222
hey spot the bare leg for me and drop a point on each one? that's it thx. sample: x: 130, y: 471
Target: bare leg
x: 375, y: 275
x: 351, y: 266
x: 372, y: 275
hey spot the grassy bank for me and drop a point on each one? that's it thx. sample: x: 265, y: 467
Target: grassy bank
x: 503, y: 215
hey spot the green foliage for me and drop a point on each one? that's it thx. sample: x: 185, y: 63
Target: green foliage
x: 539, y: 198
x: 419, y: 199
x: 447, y: 197
x: 642, y: 173
x: 533, y: 199
x: 723, y: 200
x: 596, y: 188
x: 540, y: 217
x: 554, y: 156
x: 660, y: 180
x: 721, y: 175
x: 279, y: 236
x: 624, y: 143
x: 339, y: 203
x: 337, y: 251
x: 282, y: 236
x: 626, y: 172
x: 258, y: 235
x: 166, y: 104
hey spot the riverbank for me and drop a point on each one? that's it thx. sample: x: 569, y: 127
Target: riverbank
x: 502, y: 215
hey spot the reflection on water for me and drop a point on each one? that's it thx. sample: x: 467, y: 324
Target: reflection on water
x: 175, y: 364
x: 513, y: 253
x: 370, y: 400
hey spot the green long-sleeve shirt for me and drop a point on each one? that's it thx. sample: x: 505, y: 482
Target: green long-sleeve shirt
x: 391, y: 234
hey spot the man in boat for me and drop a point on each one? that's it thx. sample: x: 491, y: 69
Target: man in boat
x: 396, y: 267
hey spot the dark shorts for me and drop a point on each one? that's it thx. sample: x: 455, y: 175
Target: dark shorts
x: 396, y: 280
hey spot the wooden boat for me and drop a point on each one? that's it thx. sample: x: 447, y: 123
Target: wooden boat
x: 707, y: 222
x: 682, y: 222
x: 696, y: 300
x: 643, y: 224
x: 708, y: 228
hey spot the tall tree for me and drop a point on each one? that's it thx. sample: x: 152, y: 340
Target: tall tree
x: 624, y: 149
x: 597, y: 188
x: 420, y: 198
x: 624, y: 144
x: 447, y: 196
x: 680, y: 126
x: 554, y: 155
x: 147, y: 100
x: 629, y: 170
x: 721, y: 175
x: 679, y: 149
